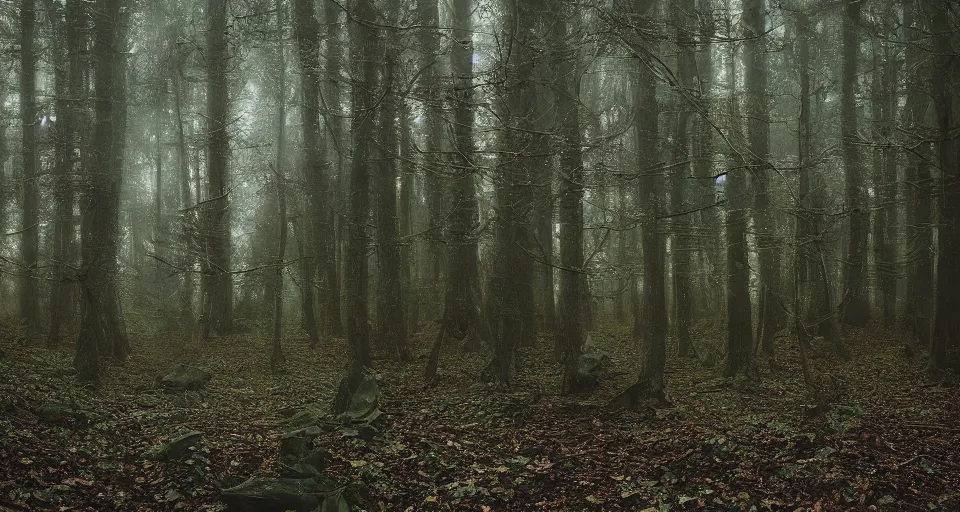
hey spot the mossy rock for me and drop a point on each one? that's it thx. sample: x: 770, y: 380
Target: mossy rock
x: 185, y: 378
x: 176, y: 448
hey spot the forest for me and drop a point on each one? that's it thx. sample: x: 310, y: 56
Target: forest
x: 425, y: 255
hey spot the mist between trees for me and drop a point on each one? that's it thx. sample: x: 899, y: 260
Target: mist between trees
x: 418, y: 177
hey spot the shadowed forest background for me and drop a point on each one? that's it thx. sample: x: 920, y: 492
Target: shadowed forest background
x: 324, y: 255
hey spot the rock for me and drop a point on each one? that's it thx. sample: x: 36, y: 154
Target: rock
x: 260, y: 494
x: 364, y: 405
x: 311, y: 414
x: 175, y: 448
x: 59, y: 413
x: 298, y: 457
x: 185, y: 378
x: 592, y: 366
x: 825, y: 452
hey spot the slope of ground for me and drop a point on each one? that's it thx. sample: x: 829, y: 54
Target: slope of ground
x: 890, y: 442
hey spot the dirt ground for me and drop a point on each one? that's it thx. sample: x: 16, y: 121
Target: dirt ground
x: 890, y: 441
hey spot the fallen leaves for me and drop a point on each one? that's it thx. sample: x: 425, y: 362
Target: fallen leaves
x: 463, y: 446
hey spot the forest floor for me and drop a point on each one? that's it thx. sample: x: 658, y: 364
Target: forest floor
x: 892, y: 443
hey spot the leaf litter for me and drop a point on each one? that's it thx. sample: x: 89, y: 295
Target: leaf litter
x: 888, y: 443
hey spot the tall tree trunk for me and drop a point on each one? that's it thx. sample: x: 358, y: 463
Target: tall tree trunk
x: 808, y: 259
x: 30, y: 220
x: 69, y: 86
x: 650, y: 320
x: 101, y: 328
x: 758, y: 135
x: 511, y: 282
x: 277, y: 359
x: 364, y: 44
x: 682, y: 247
x: 429, y: 40
x: 857, y: 307
x: 393, y: 321
x: 4, y: 195
x: 888, y: 266
x: 740, y: 342
x: 463, y: 284
x: 188, y: 219
x: 159, y: 228
x: 703, y: 168
x: 918, y: 310
x: 334, y: 124
x: 572, y: 277
x: 307, y: 31
x: 219, y: 280
x: 946, y: 329
x: 408, y: 253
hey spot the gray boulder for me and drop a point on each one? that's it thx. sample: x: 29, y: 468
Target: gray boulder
x: 176, y: 448
x: 53, y: 413
x: 185, y: 378
x: 364, y: 405
x: 593, y: 365
x: 299, y: 458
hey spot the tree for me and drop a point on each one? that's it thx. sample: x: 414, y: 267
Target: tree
x: 429, y: 40
x: 307, y: 32
x: 393, y: 327
x: 740, y: 344
x: 812, y: 284
x: 277, y: 359
x: 332, y: 92
x: 856, y: 311
x: 463, y: 285
x: 571, y: 179
x: 188, y: 214
x: 946, y: 328
x: 702, y: 153
x: 883, y: 107
x: 918, y: 310
x: 758, y: 135
x: 219, y: 283
x: 364, y: 42
x: 652, y: 309
x: 511, y: 279
x: 682, y: 248
x: 71, y: 94
x: 102, y: 332
x: 30, y: 221
x: 809, y: 268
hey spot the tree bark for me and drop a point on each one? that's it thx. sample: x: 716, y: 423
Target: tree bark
x: 219, y: 280
x: 30, y: 220
x: 429, y: 41
x: 918, y: 310
x: 393, y: 321
x: 682, y: 248
x: 511, y: 282
x: 101, y: 328
x: 571, y: 179
x: 364, y: 44
x: 334, y: 123
x: 758, y: 135
x: 740, y: 343
x: 463, y: 285
x: 856, y: 311
x: 943, y: 82
x: 188, y: 216
x: 70, y: 95
x: 307, y: 32
x: 650, y: 320
x: 277, y: 359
